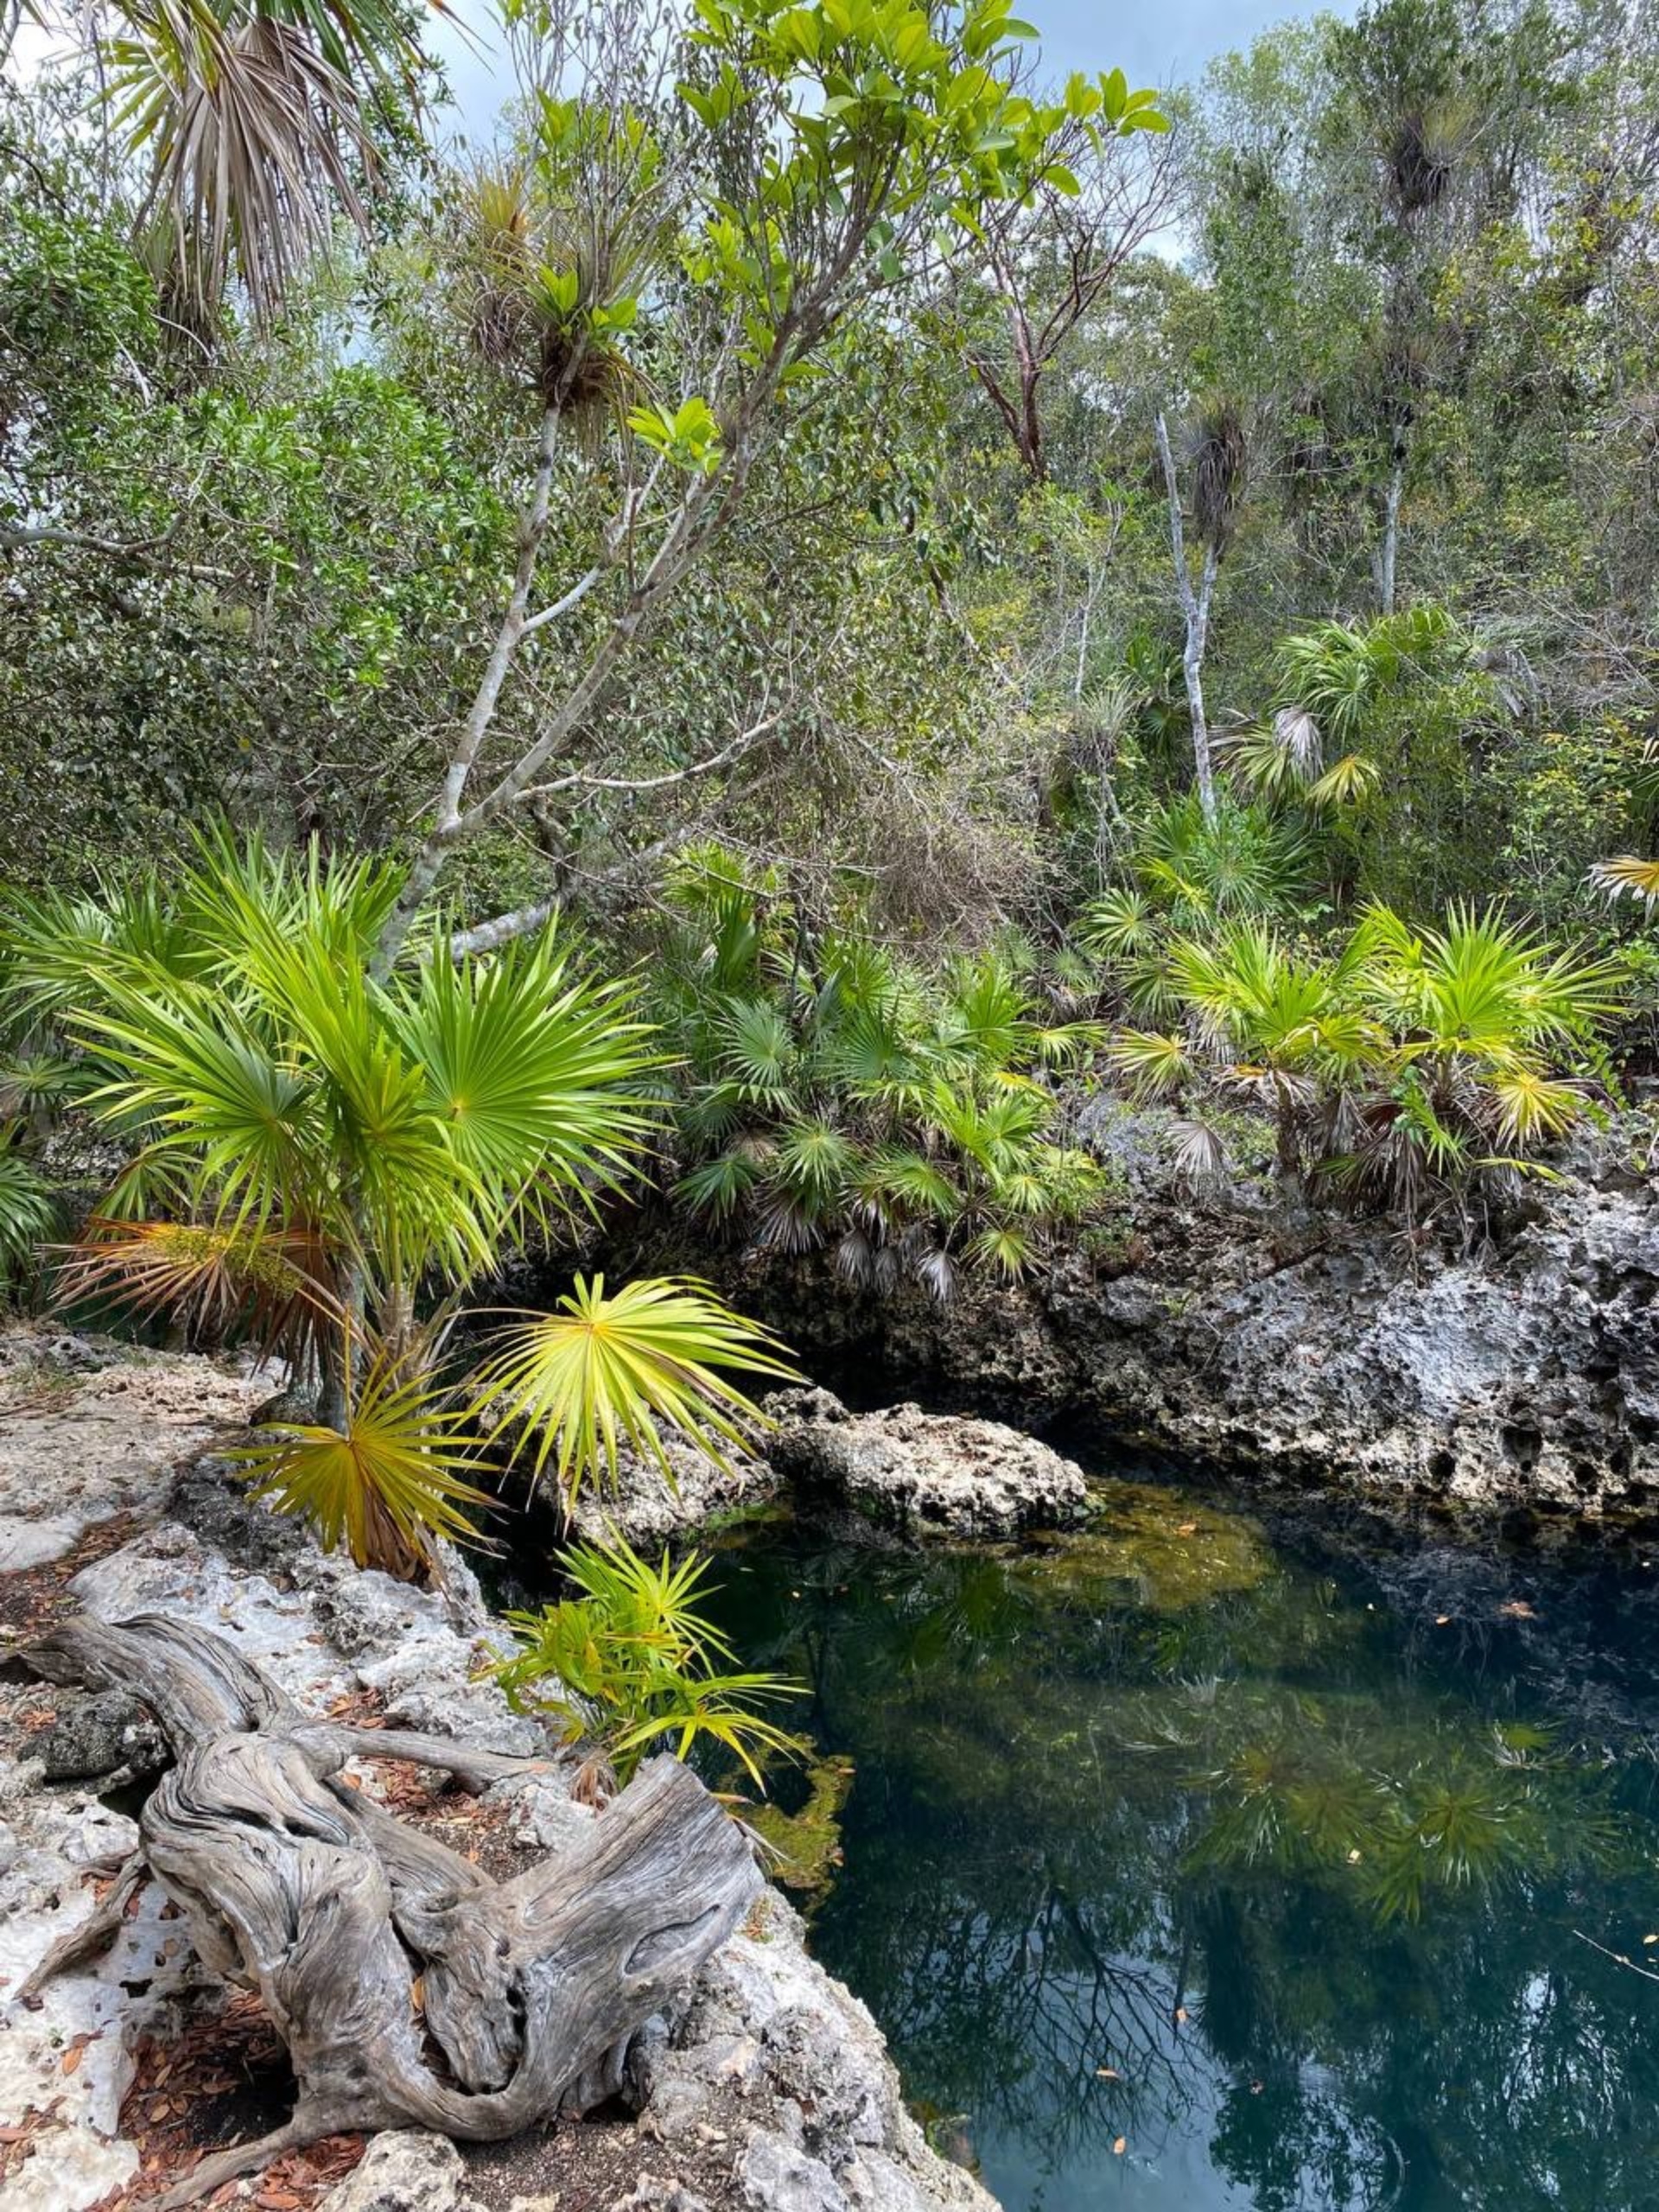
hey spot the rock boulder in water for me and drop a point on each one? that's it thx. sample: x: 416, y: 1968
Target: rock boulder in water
x: 921, y: 1474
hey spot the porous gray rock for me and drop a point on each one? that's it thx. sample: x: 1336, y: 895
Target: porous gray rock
x: 648, y: 1509
x: 88, y: 1430
x: 543, y: 1816
x: 105, y: 1732
x: 764, y: 2022
x: 406, y: 2170
x: 777, y: 2176
x: 654, y: 2193
x: 913, y: 1474
x: 1301, y: 1344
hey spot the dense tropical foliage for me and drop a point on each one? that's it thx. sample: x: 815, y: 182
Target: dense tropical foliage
x: 771, y: 633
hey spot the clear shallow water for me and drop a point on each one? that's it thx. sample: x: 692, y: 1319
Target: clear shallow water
x: 1260, y: 1860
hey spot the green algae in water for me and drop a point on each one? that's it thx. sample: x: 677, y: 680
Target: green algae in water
x: 1214, y: 1846
x: 804, y: 1844
x: 1174, y: 1552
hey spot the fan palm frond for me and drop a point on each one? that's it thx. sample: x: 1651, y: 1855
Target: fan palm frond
x: 396, y: 1472
x: 1628, y: 876
x: 600, y: 1370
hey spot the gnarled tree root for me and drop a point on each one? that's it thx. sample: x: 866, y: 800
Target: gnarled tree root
x: 410, y: 1989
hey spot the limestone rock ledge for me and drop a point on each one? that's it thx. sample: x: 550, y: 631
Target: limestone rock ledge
x: 765, y: 2086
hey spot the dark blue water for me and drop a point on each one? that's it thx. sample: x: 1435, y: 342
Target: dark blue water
x: 1191, y: 1868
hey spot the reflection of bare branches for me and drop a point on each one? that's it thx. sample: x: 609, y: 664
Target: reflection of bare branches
x: 1034, y: 1885
x: 1618, y: 1958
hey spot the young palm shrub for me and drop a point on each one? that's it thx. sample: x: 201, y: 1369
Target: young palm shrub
x: 634, y: 1663
x: 36, y: 1081
x: 1279, y: 1028
x: 28, y: 1211
x: 839, y: 1102
x: 332, y: 1155
x: 1414, y: 1066
x: 1482, y: 1015
x: 1193, y: 875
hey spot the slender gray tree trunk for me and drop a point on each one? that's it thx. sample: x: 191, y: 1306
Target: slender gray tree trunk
x: 1195, y: 607
x: 1387, y: 550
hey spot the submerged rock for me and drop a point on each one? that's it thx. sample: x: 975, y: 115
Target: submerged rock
x: 1174, y: 1553
x: 919, y: 1474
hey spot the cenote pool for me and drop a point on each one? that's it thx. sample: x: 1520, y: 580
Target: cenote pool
x: 1191, y: 1866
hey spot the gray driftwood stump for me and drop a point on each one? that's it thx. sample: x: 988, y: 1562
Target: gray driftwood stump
x: 410, y: 1989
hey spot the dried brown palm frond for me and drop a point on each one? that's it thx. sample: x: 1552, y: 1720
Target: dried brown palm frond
x: 1220, y: 468
x: 1200, y: 1154
x: 935, y: 1271
x: 784, y: 1227
x: 211, y: 1281
x: 1299, y: 738
x: 256, y: 141
x: 855, y: 1260
x: 1628, y: 876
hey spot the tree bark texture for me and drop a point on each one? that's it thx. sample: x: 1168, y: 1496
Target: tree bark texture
x: 410, y: 1989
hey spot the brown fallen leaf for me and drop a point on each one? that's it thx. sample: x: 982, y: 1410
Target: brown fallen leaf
x: 71, y: 2060
x: 1108, y: 2074
x: 1120, y: 2146
x: 1188, y: 1528
x: 1516, y: 1609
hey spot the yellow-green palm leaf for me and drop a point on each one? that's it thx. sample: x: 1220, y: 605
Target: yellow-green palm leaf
x: 398, y: 1472
x: 602, y: 1370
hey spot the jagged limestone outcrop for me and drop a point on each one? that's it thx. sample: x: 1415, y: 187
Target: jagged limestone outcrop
x: 1279, y: 1341
x: 726, y: 2064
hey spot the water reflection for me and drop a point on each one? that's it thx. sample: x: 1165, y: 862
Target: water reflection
x: 1160, y: 1837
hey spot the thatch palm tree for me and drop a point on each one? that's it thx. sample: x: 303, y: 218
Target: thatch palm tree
x: 332, y: 1161
x: 250, y: 119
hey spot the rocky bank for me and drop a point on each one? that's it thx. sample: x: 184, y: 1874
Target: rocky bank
x: 900, y: 1476
x: 765, y: 2087
x: 1279, y: 1342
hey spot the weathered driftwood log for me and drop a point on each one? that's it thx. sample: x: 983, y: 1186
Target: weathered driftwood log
x: 410, y: 1989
